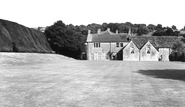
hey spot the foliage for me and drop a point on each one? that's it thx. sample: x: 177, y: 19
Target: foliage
x: 138, y: 29
x: 174, y: 27
x: 166, y: 32
x: 159, y: 27
x: 142, y: 30
x: 178, y: 50
x: 178, y: 46
x: 66, y: 39
x: 151, y: 27
x: 159, y: 33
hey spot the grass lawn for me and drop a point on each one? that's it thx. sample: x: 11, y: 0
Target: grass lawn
x: 42, y: 80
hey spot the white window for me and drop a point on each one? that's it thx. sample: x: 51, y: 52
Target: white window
x: 96, y: 45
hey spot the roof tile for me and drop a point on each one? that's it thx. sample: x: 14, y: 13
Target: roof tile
x: 107, y: 36
x: 157, y: 41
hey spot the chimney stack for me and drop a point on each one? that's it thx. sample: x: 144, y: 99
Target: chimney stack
x: 108, y: 29
x: 116, y: 31
x: 99, y: 30
x: 89, y: 31
x: 129, y: 32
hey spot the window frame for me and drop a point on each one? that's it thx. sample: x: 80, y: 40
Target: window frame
x: 97, y: 45
x: 117, y: 44
x: 121, y: 44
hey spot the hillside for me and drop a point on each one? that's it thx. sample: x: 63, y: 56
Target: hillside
x: 10, y: 58
x: 18, y: 38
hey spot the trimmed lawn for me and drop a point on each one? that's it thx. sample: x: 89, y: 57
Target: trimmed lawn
x: 71, y: 83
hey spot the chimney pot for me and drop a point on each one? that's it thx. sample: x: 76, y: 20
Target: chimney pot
x: 99, y: 30
x: 116, y: 31
x: 129, y: 32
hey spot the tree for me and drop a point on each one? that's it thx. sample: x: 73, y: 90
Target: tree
x: 104, y: 26
x: 93, y: 27
x: 142, y: 30
x: 169, y: 32
x: 174, y: 27
x: 178, y: 51
x: 159, y: 32
x: 65, y: 39
x: 159, y: 27
x: 151, y: 27
x: 166, y: 31
x: 178, y: 46
x: 113, y: 26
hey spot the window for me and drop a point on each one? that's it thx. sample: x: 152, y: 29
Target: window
x: 121, y: 44
x: 132, y: 50
x: 148, y: 49
x: 117, y: 44
x: 96, y: 45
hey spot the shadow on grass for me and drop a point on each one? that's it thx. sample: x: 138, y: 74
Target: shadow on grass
x: 175, y: 74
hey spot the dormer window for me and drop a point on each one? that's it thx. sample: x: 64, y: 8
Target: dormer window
x: 96, y: 45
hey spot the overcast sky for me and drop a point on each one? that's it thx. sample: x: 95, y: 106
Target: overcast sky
x: 34, y: 13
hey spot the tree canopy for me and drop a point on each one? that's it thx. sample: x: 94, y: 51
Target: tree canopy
x: 66, y: 39
x: 178, y: 50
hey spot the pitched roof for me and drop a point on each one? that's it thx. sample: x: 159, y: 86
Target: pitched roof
x: 156, y: 41
x: 139, y: 41
x: 166, y: 41
x: 129, y: 45
x: 107, y: 36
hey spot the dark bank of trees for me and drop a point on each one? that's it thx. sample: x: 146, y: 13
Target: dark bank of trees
x: 166, y: 31
x: 178, y: 50
x: 70, y: 40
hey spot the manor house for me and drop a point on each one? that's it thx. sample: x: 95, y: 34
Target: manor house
x: 106, y: 45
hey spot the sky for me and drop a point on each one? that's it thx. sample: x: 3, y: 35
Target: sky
x: 42, y: 13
